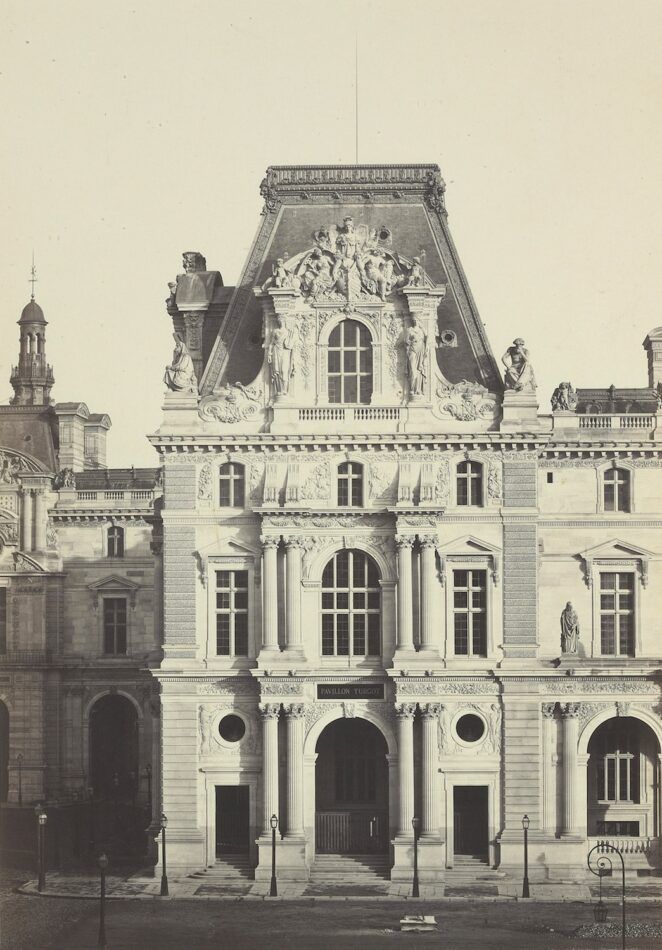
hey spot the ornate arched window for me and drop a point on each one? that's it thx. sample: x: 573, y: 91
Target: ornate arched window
x: 616, y: 489
x: 232, y: 483
x: 115, y: 541
x: 616, y: 748
x: 349, y: 363
x: 351, y: 605
x: 350, y: 485
x: 470, y: 483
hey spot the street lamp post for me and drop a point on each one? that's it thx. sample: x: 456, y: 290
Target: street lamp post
x: 526, y: 821
x: 103, y: 864
x: 92, y: 842
x: 19, y: 763
x: 416, y: 824
x: 273, y: 890
x: 604, y: 866
x: 42, y: 818
x: 148, y: 772
x: 164, y: 875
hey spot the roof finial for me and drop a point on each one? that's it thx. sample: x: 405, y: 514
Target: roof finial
x: 33, y: 276
x: 356, y: 95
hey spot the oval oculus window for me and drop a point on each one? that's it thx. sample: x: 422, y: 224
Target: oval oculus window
x: 232, y: 728
x: 470, y: 728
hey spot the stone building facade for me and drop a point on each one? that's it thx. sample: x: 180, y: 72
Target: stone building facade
x: 79, y: 598
x: 393, y: 588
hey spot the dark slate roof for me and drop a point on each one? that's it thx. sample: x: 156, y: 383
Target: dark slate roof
x: 137, y: 478
x: 31, y: 430
x: 614, y: 400
x: 32, y: 313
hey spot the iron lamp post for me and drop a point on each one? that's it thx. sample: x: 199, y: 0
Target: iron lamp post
x: 19, y: 763
x: 604, y: 866
x: 273, y: 890
x: 164, y: 876
x: 416, y: 825
x: 42, y: 818
x: 526, y: 821
x: 103, y: 864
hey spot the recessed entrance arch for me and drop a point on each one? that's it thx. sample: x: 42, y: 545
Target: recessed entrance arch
x: 114, y: 747
x: 351, y: 789
x: 4, y: 752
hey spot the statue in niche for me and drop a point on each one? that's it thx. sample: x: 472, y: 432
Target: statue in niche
x: 519, y: 375
x: 569, y: 629
x: 180, y: 375
x: 416, y: 350
x: 564, y: 397
x: 280, y: 357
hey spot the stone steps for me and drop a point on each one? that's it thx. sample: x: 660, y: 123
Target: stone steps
x: 350, y: 869
x: 227, y: 868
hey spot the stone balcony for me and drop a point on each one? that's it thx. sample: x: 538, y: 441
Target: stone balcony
x: 116, y: 499
x: 614, y: 426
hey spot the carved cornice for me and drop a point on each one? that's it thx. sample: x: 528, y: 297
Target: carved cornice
x: 292, y: 184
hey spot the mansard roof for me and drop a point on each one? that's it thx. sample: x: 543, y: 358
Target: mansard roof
x: 119, y: 478
x: 613, y: 400
x: 404, y: 204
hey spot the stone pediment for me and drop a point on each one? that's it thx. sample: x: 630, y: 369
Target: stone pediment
x: 615, y: 553
x: 469, y: 548
x: 113, y: 584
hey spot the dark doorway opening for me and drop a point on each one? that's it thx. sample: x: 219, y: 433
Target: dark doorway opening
x: 351, y: 789
x: 232, y: 819
x: 114, y: 748
x: 4, y: 752
x: 470, y: 821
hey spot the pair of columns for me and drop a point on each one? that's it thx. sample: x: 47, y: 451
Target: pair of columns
x: 430, y: 713
x: 572, y: 786
x: 294, y: 717
x: 34, y: 516
x: 405, y: 629
x: 293, y: 562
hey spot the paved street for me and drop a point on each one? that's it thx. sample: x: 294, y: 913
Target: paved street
x: 38, y: 923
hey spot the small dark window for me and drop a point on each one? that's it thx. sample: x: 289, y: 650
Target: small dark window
x: 470, y: 483
x: 115, y: 541
x: 617, y: 490
x: 350, y: 485
x: 470, y: 728
x: 550, y: 478
x: 114, y: 626
x: 232, y: 485
x: 3, y: 619
x: 232, y: 728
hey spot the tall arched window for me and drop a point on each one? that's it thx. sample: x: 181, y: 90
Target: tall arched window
x: 350, y: 485
x: 470, y: 483
x: 232, y: 485
x: 616, y: 487
x: 351, y: 606
x: 350, y: 363
x: 115, y: 541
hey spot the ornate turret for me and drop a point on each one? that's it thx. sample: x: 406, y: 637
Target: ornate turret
x: 32, y: 379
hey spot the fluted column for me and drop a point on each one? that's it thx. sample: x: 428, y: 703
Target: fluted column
x: 269, y: 713
x: 26, y: 520
x: 293, y: 555
x: 270, y: 593
x: 548, y: 770
x: 40, y: 518
x: 570, y: 714
x: 428, y: 568
x: 430, y: 816
x: 295, y: 725
x: 405, y: 713
x: 405, y: 633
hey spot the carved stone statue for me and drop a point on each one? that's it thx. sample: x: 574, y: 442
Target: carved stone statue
x: 280, y: 357
x: 564, y: 397
x: 416, y: 276
x: 193, y: 262
x: 281, y: 277
x: 316, y: 273
x: 519, y: 375
x: 569, y: 629
x: 180, y: 375
x: 9, y: 469
x: 65, y: 478
x: 416, y: 350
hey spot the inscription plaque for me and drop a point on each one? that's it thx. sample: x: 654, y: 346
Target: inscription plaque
x: 350, y: 691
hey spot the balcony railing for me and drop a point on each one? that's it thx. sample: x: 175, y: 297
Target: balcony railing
x: 351, y: 414
x: 616, y: 422
x: 642, y: 850
x: 115, y: 495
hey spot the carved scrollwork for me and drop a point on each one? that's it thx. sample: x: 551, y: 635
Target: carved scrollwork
x: 465, y: 401
x: 205, y: 482
x: 232, y: 404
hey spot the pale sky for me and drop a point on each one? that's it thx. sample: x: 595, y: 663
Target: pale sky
x: 134, y: 131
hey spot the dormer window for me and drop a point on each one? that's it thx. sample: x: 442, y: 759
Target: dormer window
x: 470, y: 484
x: 350, y: 485
x: 616, y: 489
x: 115, y: 541
x: 232, y: 483
x: 350, y: 363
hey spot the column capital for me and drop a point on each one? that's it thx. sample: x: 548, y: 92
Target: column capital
x: 404, y: 540
x: 430, y: 710
x: 269, y: 540
x: 269, y: 711
x: 548, y: 710
x: 405, y: 710
x: 570, y: 710
x: 294, y: 541
x: 428, y: 540
x: 295, y: 710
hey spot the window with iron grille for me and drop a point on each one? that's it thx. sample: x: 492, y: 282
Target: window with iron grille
x: 232, y: 613
x: 114, y: 625
x: 617, y: 614
x: 115, y: 541
x: 350, y: 485
x: 616, y: 488
x: 351, y: 606
x: 349, y: 363
x: 232, y: 485
x: 470, y: 483
x: 470, y: 612
x: 618, y: 759
x: 3, y: 619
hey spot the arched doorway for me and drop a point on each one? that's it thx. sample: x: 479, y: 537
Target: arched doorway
x: 623, y: 779
x: 4, y: 752
x: 351, y: 789
x: 114, y: 748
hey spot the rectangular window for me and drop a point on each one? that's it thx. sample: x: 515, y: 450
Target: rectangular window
x: 232, y: 613
x: 470, y: 612
x: 114, y: 626
x: 3, y: 619
x: 617, y: 614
